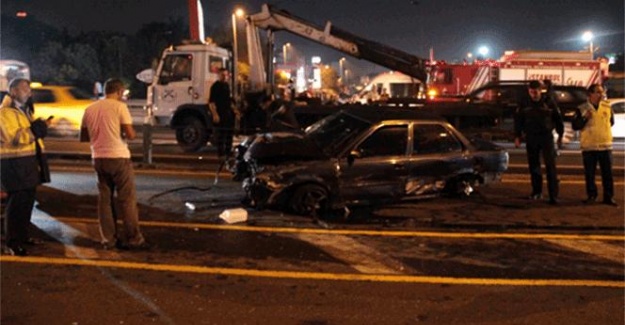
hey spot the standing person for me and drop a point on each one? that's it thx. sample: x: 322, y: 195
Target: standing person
x: 595, y: 119
x: 224, y: 114
x: 105, y: 124
x: 535, y: 120
x: 20, y: 140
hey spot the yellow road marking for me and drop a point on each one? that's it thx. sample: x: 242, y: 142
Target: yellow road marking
x: 357, y: 232
x: 315, y: 275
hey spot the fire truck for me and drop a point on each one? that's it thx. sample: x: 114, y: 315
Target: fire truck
x: 561, y: 67
x: 178, y: 94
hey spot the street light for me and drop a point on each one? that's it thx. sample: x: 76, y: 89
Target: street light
x: 483, y: 50
x: 284, y: 49
x: 587, y: 37
x: 235, y: 92
x: 341, y: 62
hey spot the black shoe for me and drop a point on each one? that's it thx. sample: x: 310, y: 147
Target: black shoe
x: 553, y: 201
x: 122, y: 246
x: 611, y: 202
x: 17, y: 250
x: 535, y: 197
x: 590, y: 200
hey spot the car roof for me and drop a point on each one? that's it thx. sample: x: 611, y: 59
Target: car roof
x: 376, y: 114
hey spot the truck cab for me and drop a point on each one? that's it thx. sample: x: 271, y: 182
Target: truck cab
x: 178, y: 95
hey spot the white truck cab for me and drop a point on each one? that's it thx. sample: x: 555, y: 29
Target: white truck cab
x: 178, y: 95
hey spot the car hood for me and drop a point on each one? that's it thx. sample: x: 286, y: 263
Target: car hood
x: 280, y: 147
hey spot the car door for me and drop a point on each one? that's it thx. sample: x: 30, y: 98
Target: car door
x: 436, y: 156
x: 378, y: 166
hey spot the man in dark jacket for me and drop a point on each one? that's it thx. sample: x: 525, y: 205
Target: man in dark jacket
x: 535, y: 120
x: 224, y: 114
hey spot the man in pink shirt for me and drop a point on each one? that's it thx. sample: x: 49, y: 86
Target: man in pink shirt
x: 106, y: 124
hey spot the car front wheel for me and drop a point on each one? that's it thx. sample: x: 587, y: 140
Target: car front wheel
x: 309, y: 200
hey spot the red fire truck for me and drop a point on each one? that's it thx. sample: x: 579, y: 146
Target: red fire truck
x: 561, y: 67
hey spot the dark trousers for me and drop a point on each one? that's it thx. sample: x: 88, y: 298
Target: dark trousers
x: 604, y: 157
x: 19, y: 209
x: 535, y: 146
x: 223, y: 138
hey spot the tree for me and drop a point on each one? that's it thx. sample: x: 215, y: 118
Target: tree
x: 76, y: 64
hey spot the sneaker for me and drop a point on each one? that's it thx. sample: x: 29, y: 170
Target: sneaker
x: 535, y: 197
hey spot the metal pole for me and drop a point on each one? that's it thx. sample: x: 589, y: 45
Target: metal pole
x: 235, y: 76
x: 148, y: 122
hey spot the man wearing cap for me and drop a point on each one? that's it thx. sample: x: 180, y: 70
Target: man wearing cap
x: 535, y: 121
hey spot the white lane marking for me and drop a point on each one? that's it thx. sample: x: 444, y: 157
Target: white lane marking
x: 69, y: 234
x: 361, y: 257
x: 614, y: 253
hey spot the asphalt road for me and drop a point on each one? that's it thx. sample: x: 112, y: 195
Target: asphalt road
x: 493, y: 258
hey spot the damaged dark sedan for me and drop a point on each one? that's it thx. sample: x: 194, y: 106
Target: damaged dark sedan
x: 364, y: 155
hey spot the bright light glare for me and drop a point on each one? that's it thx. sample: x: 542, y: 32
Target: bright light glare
x: 483, y: 50
x: 587, y: 36
x: 239, y: 12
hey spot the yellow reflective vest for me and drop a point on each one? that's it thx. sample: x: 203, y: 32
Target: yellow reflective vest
x: 16, y: 139
x: 597, y: 133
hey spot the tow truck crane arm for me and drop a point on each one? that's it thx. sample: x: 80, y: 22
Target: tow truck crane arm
x: 358, y: 47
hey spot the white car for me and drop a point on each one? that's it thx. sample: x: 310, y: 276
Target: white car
x: 618, y: 107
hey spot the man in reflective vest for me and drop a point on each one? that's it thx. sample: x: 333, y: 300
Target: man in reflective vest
x: 594, y: 120
x: 19, y: 165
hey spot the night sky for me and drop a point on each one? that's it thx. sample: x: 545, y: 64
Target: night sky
x: 451, y: 27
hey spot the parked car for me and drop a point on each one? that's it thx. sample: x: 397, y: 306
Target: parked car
x: 500, y: 100
x: 66, y: 104
x: 618, y: 107
x: 363, y: 155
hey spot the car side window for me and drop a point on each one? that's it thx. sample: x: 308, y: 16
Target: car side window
x: 434, y: 139
x: 619, y: 108
x: 43, y: 96
x: 385, y: 141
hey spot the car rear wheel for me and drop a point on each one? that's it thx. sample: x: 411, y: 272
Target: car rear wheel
x: 191, y: 135
x: 309, y: 200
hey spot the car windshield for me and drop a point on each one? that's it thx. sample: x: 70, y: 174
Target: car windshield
x: 332, y: 132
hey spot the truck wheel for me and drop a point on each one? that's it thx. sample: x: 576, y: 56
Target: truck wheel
x: 192, y: 135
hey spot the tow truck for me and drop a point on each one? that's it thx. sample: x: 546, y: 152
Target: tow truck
x: 179, y: 92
